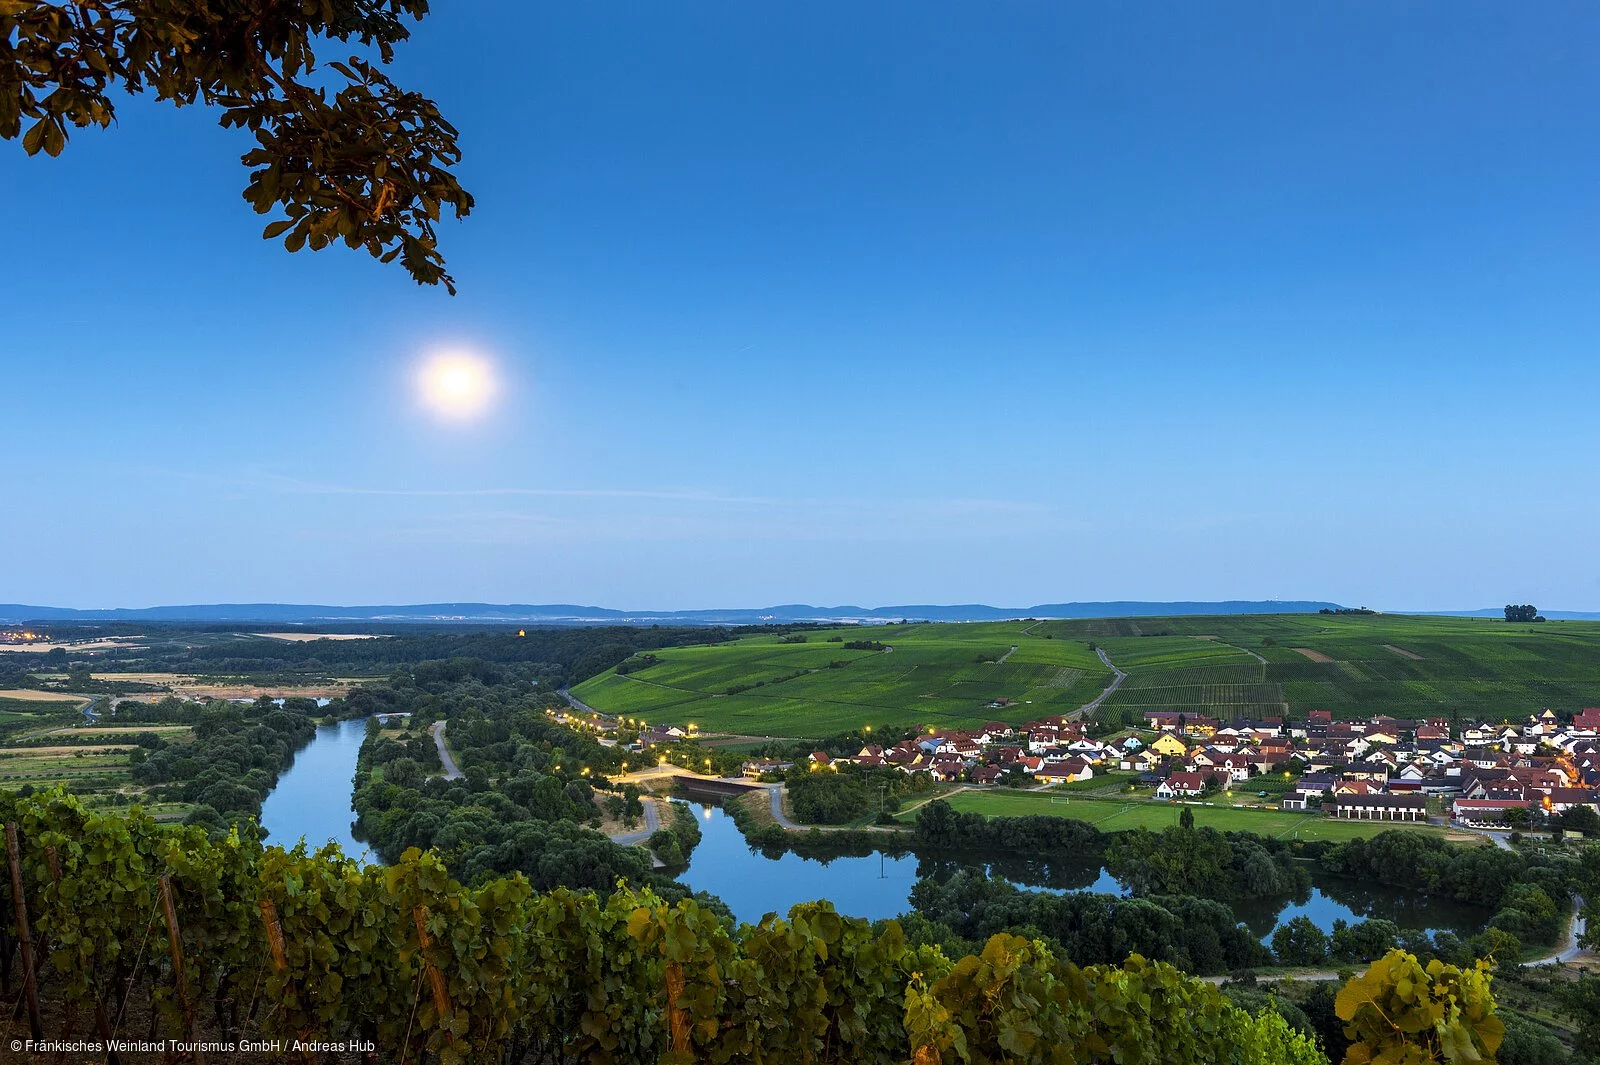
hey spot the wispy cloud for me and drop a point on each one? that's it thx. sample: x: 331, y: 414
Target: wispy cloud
x: 296, y: 486
x: 799, y: 515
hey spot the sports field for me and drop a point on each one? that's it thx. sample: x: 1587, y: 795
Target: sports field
x: 1113, y: 815
x: 1224, y: 666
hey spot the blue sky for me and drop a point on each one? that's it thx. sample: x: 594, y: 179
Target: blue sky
x: 840, y: 302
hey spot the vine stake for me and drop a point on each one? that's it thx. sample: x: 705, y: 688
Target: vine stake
x: 24, y: 935
x: 102, y: 1023
x: 175, y: 941
x: 441, y: 996
x: 677, y: 1016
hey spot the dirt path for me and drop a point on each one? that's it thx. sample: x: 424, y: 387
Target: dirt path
x: 1116, y: 682
x: 1246, y: 650
x: 1002, y: 659
x: 451, y: 770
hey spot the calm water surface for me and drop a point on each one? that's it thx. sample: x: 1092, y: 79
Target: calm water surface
x: 313, y: 796
x: 753, y: 884
x: 313, y: 801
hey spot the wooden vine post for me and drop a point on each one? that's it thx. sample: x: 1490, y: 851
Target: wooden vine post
x: 30, y: 985
x: 102, y: 1023
x: 269, y: 918
x: 677, y: 1016
x: 441, y: 994
x: 175, y: 941
x: 275, y: 945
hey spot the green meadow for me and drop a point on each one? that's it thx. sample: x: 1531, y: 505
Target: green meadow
x: 1224, y: 666
x: 1113, y: 815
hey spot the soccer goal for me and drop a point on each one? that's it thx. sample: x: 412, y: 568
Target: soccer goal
x: 1060, y: 800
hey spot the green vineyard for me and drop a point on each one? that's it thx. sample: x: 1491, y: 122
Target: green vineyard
x: 126, y: 929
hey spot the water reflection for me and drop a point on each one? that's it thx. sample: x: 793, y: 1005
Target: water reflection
x: 873, y: 885
x: 313, y: 796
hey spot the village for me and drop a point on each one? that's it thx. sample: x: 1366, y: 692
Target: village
x: 1380, y: 769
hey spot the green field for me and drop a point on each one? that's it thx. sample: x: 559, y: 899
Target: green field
x: 1225, y: 666
x: 932, y: 676
x: 1404, y: 666
x: 1113, y: 815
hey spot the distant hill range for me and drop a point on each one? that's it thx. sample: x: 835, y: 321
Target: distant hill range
x: 568, y: 614
x: 1499, y: 612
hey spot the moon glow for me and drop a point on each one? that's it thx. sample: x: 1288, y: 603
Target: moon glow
x: 456, y: 386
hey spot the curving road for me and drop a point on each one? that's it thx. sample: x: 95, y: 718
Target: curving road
x: 775, y: 793
x: 451, y: 770
x: 652, y: 823
x: 1116, y: 682
x: 577, y: 703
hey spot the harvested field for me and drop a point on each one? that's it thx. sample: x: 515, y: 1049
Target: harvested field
x: 307, y: 637
x: 92, y: 645
x: 1402, y: 652
x: 165, y: 731
x: 29, y: 695
x: 1315, y: 656
x: 41, y: 752
x: 190, y: 686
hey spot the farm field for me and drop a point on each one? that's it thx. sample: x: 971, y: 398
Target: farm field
x: 945, y: 676
x: 1231, y: 667
x: 1351, y: 665
x: 34, y: 711
x: 1113, y: 815
x: 83, y: 767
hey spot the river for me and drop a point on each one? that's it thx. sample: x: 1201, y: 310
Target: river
x: 313, y: 800
x: 753, y: 884
x: 313, y: 796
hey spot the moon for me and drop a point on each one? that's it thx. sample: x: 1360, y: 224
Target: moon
x: 456, y: 386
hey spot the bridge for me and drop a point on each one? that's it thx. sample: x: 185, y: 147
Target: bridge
x: 712, y: 787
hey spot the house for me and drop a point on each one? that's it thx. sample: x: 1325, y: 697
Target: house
x: 1237, y: 766
x: 987, y: 775
x: 1479, y: 811
x: 1140, y: 761
x: 1177, y: 721
x: 1064, y: 772
x: 994, y: 732
x: 1314, y: 784
x: 1381, y: 807
x: 755, y: 770
x: 1168, y: 746
x: 1186, y: 785
x: 1560, y: 800
x: 821, y: 760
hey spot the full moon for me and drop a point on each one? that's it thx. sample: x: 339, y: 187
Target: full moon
x: 455, y: 386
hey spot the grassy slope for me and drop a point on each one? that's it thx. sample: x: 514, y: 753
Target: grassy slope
x: 932, y: 676
x: 1467, y: 666
x: 1473, y: 667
